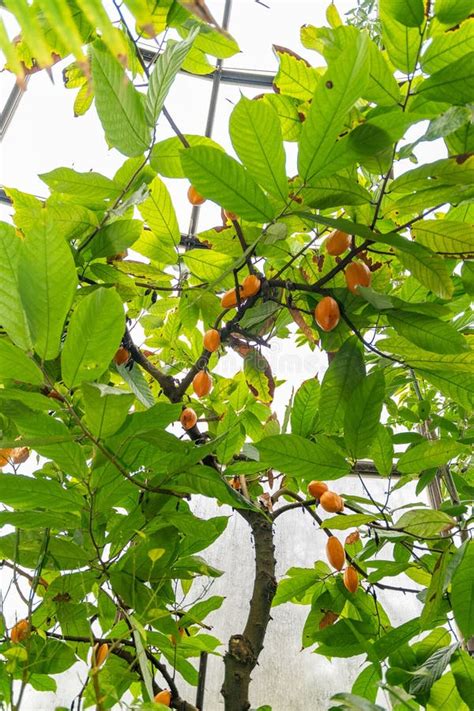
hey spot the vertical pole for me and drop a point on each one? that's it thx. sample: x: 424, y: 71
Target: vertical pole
x: 211, y: 114
x: 201, y: 681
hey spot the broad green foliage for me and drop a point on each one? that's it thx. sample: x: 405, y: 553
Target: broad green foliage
x: 104, y: 302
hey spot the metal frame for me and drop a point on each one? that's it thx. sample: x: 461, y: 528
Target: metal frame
x: 237, y: 77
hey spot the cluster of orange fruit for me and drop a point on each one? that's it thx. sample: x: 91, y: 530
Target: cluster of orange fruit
x: 333, y: 503
x: 357, y: 274
x: 196, y: 198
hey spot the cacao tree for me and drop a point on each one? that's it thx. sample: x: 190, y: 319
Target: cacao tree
x: 115, y: 415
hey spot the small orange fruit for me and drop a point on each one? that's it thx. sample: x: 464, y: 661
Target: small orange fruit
x: 327, y: 314
x: 212, y: 340
x: 352, y: 538
x: 20, y: 631
x: 229, y: 300
x: 55, y: 395
x: 122, y: 356
x: 337, y: 243
x: 331, y: 502
x: 19, y: 455
x: 99, y: 654
x: 5, y: 456
x: 163, y: 697
x: 202, y: 383
x: 235, y: 483
x: 357, y: 274
x: 329, y: 619
x: 351, y: 579
x: 194, y: 197
x: 335, y: 553
x: 317, y: 488
x: 250, y: 286
x: 188, y: 418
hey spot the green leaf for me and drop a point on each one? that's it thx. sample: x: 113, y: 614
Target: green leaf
x: 367, y: 683
x: 15, y: 365
x: 431, y: 334
x: 94, y: 334
x: 304, y: 413
x: 363, y: 414
x: 462, y: 666
x: 351, y: 702
x: 448, y: 47
x: 397, y: 637
x: 435, y: 593
x: 115, y: 237
x: 119, y: 104
x: 419, y: 358
x: 429, y: 454
x: 294, y: 455
x: 447, y: 171
x: 93, y: 188
x: 334, y: 191
x: 164, y: 72
x: 53, y: 441
x: 233, y: 436
x: 450, y: 12
x: 432, y: 669
x: 158, y: 212
x: 401, y: 42
x: 453, y: 84
x: 206, y: 481
x: 47, y: 281
x: 256, y: 136
x: 445, y: 236
x: 294, y: 586
x: 410, y: 13
x: 344, y: 373
x: 462, y: 585
x: 423, y: 523
x: 218, y: 44
x: 258, y: 375
x: 27, y: 492
x: 428, y: 269
x: 12, y: 315
x: 342, y: 523
x: 222, y: 179
x: 336, y: 92
x: 295, y: 77
x: 444, y: 696
x: 105, y: 408
x: 381, y: 450
x: 165, y: 156
x: 208, y: 265
x: 458, y: 386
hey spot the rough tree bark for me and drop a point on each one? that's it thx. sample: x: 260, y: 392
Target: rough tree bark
x: 244, y: 649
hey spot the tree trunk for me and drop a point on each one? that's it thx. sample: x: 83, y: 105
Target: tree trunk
x: 244, y: 649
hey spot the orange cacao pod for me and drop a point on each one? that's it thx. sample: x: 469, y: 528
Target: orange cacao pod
x: 163, y: 697
x: 331, y: 502
x: 250, y: 286
x: 122, y: 356
x: 329, y: 619
x: 335, y: 553
x: 327, y: 313
x: 352, y: 538
x: 317, y: 488
x: 229, y: 300
x: 20, y: 631
x: 202, y: 383
x: 337, y: 243
x: 188, y: 418
x: 351, y: 579
x: 194, y: 197
x: 357, y: 274
x: 212, y: 340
